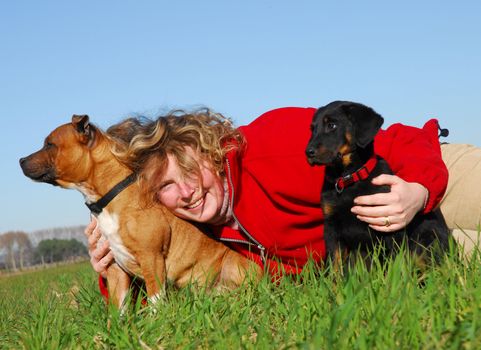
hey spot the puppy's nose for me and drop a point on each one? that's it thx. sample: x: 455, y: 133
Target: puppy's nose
x: 22, y: 160
x: 310, y: 151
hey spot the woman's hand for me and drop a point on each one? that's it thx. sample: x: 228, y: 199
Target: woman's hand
x: 100, y: 255
x: 389, y: 212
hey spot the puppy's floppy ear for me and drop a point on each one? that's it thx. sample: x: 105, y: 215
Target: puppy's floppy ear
x: 366, y: 122
x: 83, y: 127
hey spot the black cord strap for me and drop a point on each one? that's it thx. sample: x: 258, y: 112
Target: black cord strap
x: 97, y: 207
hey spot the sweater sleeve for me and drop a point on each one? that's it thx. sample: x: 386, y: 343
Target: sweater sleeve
x: 103, y: 288
x: 415, y: 156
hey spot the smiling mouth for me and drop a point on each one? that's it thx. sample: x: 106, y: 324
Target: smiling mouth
x: 195, y: 204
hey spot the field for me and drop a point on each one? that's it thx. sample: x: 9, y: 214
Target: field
x: 391, y: 307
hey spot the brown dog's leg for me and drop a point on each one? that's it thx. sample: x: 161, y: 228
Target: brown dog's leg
x: 154, y: 272
x: 118, y: 282
x: 234, y: 270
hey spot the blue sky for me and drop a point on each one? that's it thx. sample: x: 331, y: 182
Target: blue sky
x: 409, y: 60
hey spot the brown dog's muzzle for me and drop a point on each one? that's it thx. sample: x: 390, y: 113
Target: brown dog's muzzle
x: 38, y: 170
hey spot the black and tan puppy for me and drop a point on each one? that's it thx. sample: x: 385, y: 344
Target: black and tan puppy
x: 342, y: 140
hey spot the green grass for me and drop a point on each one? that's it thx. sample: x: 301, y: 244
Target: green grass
x: 390, y: 307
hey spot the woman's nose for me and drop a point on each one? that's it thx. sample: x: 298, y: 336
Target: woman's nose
x: 186, y: 190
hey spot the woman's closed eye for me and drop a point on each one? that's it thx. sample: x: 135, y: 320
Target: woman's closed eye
x: 166, y: 185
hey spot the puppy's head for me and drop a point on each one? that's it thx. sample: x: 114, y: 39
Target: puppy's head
x: 338, y: 129
x: 64, y: 159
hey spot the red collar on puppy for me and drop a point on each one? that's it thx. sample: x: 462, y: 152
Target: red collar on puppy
x: 359, y: 175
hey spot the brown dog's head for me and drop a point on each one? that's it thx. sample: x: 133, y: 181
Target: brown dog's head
x: 65, y: 158
x: 338, y: 129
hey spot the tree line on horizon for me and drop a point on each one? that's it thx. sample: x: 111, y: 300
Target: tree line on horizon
x: 17, y: 251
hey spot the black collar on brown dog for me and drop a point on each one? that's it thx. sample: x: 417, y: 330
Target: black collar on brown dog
x: 359, y: 175
x: 97, y: 207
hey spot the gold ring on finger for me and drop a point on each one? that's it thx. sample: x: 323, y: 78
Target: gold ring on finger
x: 387, y: 222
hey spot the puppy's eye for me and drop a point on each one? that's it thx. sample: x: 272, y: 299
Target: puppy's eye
x: 48, y: 145
x: 331, y: 126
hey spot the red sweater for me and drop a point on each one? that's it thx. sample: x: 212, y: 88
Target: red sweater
x: 276, y: 193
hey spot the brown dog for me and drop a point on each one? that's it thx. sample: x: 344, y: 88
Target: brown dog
x: 148, y: 242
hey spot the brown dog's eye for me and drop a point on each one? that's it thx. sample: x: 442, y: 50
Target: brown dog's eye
x: 48, y: 145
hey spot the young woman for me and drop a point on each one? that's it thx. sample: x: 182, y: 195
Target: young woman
x: 255, y: 188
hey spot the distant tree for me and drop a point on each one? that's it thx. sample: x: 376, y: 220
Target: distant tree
x: 7, y: 242
x: 17, y: 246
x: 24, y: 247
x: 54, y: 250
x: 76, y: 232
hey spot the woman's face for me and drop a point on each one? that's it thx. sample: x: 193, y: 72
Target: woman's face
x: 191, y: 198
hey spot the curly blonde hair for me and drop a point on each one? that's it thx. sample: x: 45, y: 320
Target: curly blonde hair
x: 143, y: 144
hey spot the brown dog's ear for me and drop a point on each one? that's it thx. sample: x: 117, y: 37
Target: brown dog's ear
x: 82, y: 126
x: 366, y: 122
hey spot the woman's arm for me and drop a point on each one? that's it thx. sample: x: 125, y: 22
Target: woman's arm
x: 399, y: 206
x: 420, y: 177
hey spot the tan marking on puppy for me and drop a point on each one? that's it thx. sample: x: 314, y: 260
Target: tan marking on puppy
x: 327, y: 209
x: 346, y: 150
x: 338, y: 260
